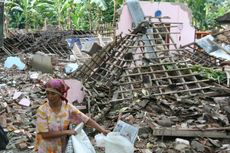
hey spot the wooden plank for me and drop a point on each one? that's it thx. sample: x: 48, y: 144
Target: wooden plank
x: 165, y: 93
x: 190, y: 133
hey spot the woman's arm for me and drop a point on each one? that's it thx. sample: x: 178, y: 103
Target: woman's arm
x: 77, y: 116
x: 56, y: 134
x: 94, y: 124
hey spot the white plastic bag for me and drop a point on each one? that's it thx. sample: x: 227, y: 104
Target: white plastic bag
x: 100, y: 140
x: 114, y: 143
x: 81, y: 142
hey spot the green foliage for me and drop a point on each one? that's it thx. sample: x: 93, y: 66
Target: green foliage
x: 169, y: 67
x: 107, y: 15
x: 100, y: 3
x: 84, y: 14
x: 209, y: 73
x: 198, y: 13
x: 211, y: 17
x: 79, y: 14
x: 204, y: 12
x: 120, y: 2
x: 24, y: 12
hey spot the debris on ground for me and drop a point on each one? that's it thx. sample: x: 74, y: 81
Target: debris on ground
x: 152, y: 86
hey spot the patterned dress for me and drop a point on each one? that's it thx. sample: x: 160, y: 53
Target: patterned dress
x: 48, y: 121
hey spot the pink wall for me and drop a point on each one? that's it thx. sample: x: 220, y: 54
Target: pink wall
x: 177, y: 13
x: 76, y: 92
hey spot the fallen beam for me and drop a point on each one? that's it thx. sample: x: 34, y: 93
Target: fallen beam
x: 190, y: 133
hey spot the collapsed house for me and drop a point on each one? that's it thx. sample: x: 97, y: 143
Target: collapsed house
x: 143, y: 60
x: 143, y: 78
x: 52, y: 42
x: 141, y: 73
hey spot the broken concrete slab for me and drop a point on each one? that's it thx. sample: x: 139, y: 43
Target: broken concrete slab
x: 42, y: 62
x: 24, y: 102
x: 198, y: 146
x: 17, y: 95
x: 87, y: 43
x: 94, y: 49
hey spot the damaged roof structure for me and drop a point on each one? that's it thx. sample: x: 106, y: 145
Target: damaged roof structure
x: 148, y: 81
x: 131, y: 66
x: 145, y: 74
x: 143, y: 78
x: 52, y: 42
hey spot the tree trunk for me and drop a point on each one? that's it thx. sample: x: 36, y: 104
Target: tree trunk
x: 114, y: 19
x: 26, y: 23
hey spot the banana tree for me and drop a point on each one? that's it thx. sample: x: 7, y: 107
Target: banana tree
x: 78, y: 16
x: 206, y: 11
x: 26, y: 10
x: 7, y: 17
x: 100, y: 3
x: 92, y: 10
x: 214, y: 9
x: 56, y: 10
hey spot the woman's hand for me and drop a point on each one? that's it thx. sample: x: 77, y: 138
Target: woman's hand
x: 70, y: 132
x: 105, y: 132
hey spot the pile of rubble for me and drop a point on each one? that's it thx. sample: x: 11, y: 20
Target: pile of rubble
x: 22, y: 88
x: 148, y: 82
x: 223, y: 37
x: 142, y: 79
